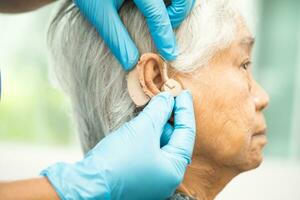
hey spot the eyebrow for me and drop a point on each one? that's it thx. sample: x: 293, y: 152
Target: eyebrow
x: 247, y: 42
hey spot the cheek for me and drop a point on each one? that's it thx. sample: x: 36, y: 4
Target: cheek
x: 224, y: 119
x: 222, y: 135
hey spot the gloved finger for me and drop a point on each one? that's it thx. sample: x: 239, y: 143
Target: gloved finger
x: 110, y: 27
x: 160, y: 27
x: 178, y: 11
x: 166, y: 134
x: 182, y: 140
x: 118, y: 40
x: 155, y: 115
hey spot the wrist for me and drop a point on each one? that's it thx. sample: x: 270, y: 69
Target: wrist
x: 34, y: 189
x: 77, y: 181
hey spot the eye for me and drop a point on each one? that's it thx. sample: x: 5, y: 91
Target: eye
x: 246, y: 65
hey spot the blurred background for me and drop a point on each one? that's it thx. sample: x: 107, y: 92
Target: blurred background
x: 35, y: 125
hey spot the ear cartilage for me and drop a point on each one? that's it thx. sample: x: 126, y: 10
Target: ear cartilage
x: 164, y: 72
x: 170, y: 85
x: 137, y: 87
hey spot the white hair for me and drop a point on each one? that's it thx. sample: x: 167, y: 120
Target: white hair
x: 94, y: 80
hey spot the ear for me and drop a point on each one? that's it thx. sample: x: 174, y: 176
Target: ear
x: 149, y: 78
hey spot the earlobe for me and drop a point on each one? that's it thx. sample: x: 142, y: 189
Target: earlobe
x: 149, y: 78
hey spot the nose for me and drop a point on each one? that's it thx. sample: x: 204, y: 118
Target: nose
x: 261, y: 98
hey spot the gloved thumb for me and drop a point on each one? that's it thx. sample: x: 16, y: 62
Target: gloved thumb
x: 181, y: 143
x: 166, y: 134
x: 104, y: 16
x: 155, y: 115
x: 118, y: 40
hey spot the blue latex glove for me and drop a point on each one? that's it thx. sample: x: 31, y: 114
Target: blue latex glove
x: 130, y: 162
x: 103, y: 15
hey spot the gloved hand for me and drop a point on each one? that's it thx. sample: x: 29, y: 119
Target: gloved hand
x: 130, y: 163
x: 103, y: 15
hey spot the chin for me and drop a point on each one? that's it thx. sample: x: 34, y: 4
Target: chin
x: 251, y: 163
x: 255, y: 156
x: 256, y: 163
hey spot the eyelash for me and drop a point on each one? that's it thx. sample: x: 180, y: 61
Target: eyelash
x: 246, y: 65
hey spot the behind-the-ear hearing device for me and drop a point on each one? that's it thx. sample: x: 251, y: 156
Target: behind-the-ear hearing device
x: 135, y: 89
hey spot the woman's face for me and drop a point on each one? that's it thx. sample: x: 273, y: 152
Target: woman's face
x: 228, y: 107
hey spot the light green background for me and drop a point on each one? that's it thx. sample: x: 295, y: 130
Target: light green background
x: 33, y: 111
x: 278, y: 70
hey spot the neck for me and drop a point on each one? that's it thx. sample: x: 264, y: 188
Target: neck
x: 204, y: 180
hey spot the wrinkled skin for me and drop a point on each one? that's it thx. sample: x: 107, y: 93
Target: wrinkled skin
x: 228, y: 102
x: 228, y: 108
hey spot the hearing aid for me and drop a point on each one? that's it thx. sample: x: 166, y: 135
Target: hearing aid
x: 136, y: 84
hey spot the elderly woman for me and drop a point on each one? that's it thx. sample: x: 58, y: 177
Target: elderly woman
x: 214, y: 63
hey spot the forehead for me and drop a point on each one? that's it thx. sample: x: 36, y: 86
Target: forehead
x: 240, y: 48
